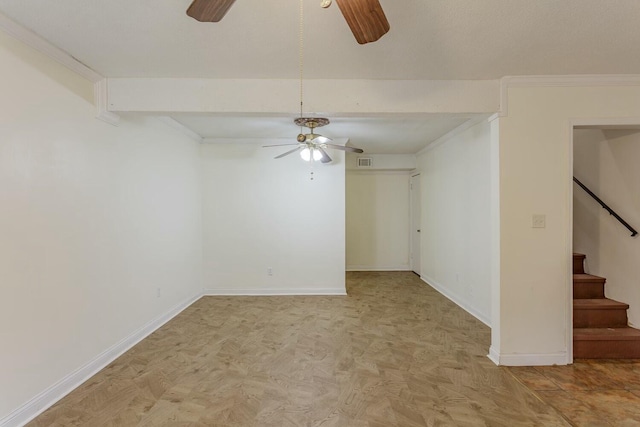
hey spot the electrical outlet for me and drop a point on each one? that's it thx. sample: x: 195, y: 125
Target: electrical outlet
x: 538, y: 221
x: 269, y: 271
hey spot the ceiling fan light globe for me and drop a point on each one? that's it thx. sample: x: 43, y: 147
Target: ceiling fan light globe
x: 317, y: 155
x: 306, y: 154
x: 319, y: 139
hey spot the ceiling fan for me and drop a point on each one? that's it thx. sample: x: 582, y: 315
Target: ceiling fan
x: 312, y: 146
x: 365, y: 17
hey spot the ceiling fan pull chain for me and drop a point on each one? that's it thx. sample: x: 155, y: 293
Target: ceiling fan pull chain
x: 311, y: 146
x: 301, y: 55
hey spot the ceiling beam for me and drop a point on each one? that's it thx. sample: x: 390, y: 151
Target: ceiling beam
x: 337, y: 97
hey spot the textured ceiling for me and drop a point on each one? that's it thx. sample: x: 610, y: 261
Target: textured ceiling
x: 429, y: 39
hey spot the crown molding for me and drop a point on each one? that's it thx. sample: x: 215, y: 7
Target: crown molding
x: 101, y: 91
x: 572, y: 80
x: 265, y: 140
x: 576, y: 80
x: 606, y: 123
x: 45, y: 47
x: 173, y: 123
x: 248, y: 141
x: 378, y: 172
x: 456, y: 131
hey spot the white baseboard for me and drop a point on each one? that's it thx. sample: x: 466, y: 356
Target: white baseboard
x: 57, y: 391
x: 456, y: 300
x: 274, y: 292
x: 494, y: 356
x: 378, y: 268
x: 523, y: 359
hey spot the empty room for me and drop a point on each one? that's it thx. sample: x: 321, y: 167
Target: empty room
x: 319, y: 213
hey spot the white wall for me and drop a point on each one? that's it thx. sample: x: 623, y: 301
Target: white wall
x: 260, y: 213
x: 377, y: 220
x: 606, y: 161
x: 93, y: 218
x: 456, y: 219
x: 535, y: 178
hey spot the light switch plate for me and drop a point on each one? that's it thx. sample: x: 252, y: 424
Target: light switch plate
x: 539, y: 221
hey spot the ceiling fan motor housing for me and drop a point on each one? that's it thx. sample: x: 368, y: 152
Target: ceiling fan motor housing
x: 311, y: 122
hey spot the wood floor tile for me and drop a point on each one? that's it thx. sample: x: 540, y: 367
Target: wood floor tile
x: 620, y: 407
x: 624, y: 372
x: 590, y: 392
x: 580, y: 376
x: 574, y: 409
x: 394, y: 352
x: 534, y: 379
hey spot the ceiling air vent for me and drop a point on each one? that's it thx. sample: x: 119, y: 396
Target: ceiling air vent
x: 365, y: 162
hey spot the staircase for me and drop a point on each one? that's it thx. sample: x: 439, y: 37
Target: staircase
x: 600, y: 326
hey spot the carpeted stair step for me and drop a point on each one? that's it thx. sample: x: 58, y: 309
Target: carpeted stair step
x: 599, y: 313
x: 587, y: 286
x: 606, y: 343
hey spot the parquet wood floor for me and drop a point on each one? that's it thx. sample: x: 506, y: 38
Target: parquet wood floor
x: 392, y: 353
x: 598, y: 393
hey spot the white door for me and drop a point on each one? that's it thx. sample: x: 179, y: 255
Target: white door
x: 415, y: 223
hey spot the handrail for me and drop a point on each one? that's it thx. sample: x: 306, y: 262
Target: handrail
x: 607, y: 208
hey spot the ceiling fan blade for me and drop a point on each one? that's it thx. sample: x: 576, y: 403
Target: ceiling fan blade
x: 325, y: 157
x: 209, y: 10
x: 343, y: 148
x: 287, y: 153
x: 365, y: 18
x: 279, y: 145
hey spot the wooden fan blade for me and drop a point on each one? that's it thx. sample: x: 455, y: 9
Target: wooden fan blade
x: 365, y: 18
x: 209, y: 10
x: 325, y: 157
x: 287, y: 153
x: 343, y: 148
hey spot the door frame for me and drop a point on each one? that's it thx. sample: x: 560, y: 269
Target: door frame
x: 571, y: 126
x: 412, y: 260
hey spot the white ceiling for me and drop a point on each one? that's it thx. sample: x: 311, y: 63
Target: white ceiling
x: 375, y: 135
x: 429, y: 39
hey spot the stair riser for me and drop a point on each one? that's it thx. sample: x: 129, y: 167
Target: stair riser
x: 606, y: 349
x: 606, y: 334
x: 588, y: 290
x: 594, y: 318
x: 578, y: 265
